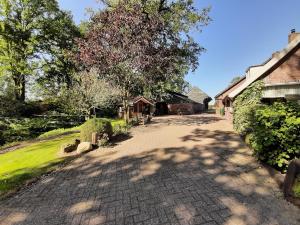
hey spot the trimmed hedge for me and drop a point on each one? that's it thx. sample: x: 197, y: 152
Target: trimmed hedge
x: 99, y: 125
x: 275, y: 136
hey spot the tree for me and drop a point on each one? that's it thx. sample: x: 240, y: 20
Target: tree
x: 180, y: 16
x: 90, y: 92
x: 34, y: 35
x: 235, y: 79
x: 134, y: 49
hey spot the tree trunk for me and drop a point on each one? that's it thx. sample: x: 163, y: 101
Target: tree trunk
x: 126, y: 107
x: 19, y: 81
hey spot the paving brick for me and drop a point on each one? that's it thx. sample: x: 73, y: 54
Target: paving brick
x: 168, y: 173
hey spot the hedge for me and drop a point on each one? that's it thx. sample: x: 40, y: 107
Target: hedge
x: 275, y: 138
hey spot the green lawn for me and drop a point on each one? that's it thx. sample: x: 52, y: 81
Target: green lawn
x: 18, y: 166
x: 32, y: 161
x: 296, y: 187
x: 58, y: 132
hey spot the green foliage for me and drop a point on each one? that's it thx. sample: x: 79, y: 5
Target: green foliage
x: 147, y: 43
x: 222, y: 111
x: 31, y: 161
x: 13, y: 130
x: 89, y: 93
x: 235, y: 79
x: 60, y: 131
x: 275, y: 134
x: 244, y: 107
x: 119, y: 126
x: 98, y: 125
x: 35, y: 36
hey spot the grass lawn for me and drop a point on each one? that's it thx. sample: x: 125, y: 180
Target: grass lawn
x: 21, y: 165
x: 296, y: 187
x: 61, y: 131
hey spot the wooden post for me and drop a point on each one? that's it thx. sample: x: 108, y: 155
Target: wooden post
x: 94, y: 138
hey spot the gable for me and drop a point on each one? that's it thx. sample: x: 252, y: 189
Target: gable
x: 259, y: 72
x: 197, y: 95
x: 287, y: 72
x: 230, y: 89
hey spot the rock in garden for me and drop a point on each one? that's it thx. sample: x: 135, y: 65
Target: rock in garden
x: 84, y: 147
x: 67, y: 148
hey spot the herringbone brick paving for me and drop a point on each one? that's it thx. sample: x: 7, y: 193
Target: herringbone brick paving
x: 179, y: 170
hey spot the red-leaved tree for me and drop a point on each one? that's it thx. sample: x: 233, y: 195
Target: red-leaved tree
x: 133, y: 49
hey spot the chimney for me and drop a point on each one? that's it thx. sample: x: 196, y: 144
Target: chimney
x: 293, y: 35
x: 275, y: 54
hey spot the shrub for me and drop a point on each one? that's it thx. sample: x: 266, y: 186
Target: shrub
x: 13, y: 130
x: 101, y: 126
x: 119, y: 127
x: 245, y: 106
x: 276, y: 134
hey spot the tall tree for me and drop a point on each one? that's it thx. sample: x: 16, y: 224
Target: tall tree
x: 135, y: 49
x: 180, y: 16
x: 33, y: 34
x: 235, y: 79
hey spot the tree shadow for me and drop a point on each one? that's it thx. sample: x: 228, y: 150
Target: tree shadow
x: 215, y: 183
x: 119, y: 138
x: 186, y: 120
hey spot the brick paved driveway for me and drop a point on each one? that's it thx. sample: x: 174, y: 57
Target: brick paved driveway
x: 179, y: 170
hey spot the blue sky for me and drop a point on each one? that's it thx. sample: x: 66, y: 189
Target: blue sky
x: 242, y: 33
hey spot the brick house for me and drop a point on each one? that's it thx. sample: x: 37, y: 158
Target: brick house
x: 196, y: 101
x: 172, y: 103
x: 223, y: 102
x: 280, y: 74
x: 176, y: 103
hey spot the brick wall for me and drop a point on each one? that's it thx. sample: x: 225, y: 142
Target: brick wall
x: 288, y: 71
x: 185, y: 108
x: 219, y: 101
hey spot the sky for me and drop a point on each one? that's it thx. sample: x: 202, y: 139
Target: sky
x: 242, y: 33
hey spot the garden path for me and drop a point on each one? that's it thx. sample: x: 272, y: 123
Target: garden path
x: 177, y: 170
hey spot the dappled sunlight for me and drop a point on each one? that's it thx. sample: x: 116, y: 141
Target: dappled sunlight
x: 235, y: 220
x: 184, y: 213
x: 242, y: 214
x: 146, y: 170
x: 81, y: 207
x: 95, y: 173
x: 241, y: 159
x: 172, y: 180
x: 181, y: 157
x: 96, y: 220
x: 14, y: 218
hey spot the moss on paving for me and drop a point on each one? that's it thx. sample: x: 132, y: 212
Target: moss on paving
x: 32, y: 161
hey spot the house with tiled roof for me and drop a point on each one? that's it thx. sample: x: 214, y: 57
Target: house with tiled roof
x: 280, y: 75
